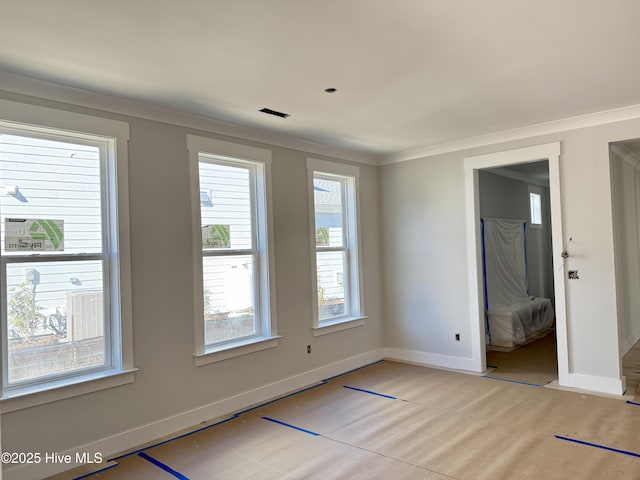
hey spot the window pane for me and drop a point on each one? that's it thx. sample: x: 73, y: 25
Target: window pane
x: 536, y: 208
x: 328, y: 197
x: 225, y: 205
x: 55, y: 318
x: 229, y: 311
x: 52, y: 180
x: 331, y: 282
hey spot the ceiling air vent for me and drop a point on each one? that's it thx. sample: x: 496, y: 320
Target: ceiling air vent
x: 274, y: 112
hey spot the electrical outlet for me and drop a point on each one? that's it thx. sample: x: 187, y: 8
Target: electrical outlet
x: 308, y: 348
x: 457, y: 337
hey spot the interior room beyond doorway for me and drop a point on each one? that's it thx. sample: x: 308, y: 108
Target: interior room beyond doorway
x: 521, y: 342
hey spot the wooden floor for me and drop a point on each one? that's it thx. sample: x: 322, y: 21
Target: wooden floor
x: 397, y: 421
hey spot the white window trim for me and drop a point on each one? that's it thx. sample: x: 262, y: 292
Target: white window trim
x: 233, y: 151
x: 538, y: 191
x: 122, y: 371
x: 356, y: 317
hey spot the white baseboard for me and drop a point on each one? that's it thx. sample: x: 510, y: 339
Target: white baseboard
x: 135, y: 437
x: 436, y: 360
x: 610, y: 386
x: 590, y: 383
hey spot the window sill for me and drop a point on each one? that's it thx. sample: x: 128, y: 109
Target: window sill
x: 32, y: 396
x: 235, y: 349
x: 338, y: 325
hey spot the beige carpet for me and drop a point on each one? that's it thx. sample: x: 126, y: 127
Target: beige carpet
x: 397, y: 421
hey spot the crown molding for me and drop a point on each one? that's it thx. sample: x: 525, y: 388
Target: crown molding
x: 46, y: 90
x: 42, y: 89
x: 572, y: 123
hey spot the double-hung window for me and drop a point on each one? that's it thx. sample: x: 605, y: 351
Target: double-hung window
x: 64, y: 277
x: 232, y: 268
x: 336, y: 260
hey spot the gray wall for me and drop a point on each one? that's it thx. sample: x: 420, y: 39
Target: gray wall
x: 168, y: 383
x: 425, y: 262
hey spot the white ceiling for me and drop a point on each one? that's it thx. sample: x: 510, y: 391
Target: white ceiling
x: 409, y: 73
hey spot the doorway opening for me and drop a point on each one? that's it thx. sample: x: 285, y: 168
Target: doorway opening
x: 518, y: 272
x: 624, y: 160
x: 544, y: 279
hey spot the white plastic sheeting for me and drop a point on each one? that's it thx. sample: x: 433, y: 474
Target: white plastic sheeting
x: 513, y: 316
x: 505, y: 264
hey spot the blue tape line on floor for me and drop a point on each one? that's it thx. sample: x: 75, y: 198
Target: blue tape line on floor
x: 161, y: 465
x: 315, y: 434
x: 370, y: 392
x: 233, y: 417
x: 136, y: 452
x: 603, y: 447
x: 632, y: 403
x: 237, y: 414
x: 512, y: 381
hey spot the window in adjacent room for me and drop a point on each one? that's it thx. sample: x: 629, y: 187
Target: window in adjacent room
x: 64, y: 256
x: 535, y: 207
x: 231, y: 241
x: 336, y: 260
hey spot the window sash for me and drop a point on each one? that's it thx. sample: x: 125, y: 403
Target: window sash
x: 107, y: 330
x: 205, y: 158
x: 237, y: 154
x: 257, y: 328
x: 347, y: 176
x: 323, y: 316
x: 252, y: 251
x: 342, y: 180
x: 108, y: 233
x: 535, y: 203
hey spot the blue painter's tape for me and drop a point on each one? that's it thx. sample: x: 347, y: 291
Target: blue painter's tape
x: 315, y: 434
x: 603, y: 447
x: 237, y: 414
x: 370, y: 392
x: 233, y: 417
x: 161, y: 465
x: 512, y: 381
x: 136, y: 452
x: 526, y: 264
x: 484, y: 282
x: 629, y: 402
